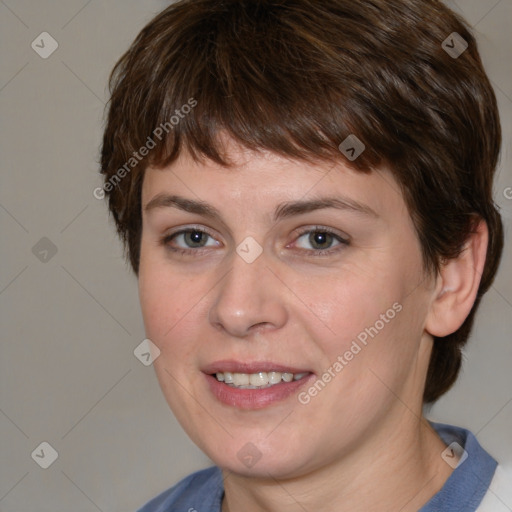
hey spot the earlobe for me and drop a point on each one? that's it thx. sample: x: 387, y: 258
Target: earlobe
x: 457, y: 285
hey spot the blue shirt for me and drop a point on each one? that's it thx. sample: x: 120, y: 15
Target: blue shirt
x: 462, y: 492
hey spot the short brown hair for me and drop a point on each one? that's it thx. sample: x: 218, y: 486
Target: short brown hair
x: 296, y: 77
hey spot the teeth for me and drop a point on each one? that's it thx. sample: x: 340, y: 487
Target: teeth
x: 274, y: 377
x: 256, y: 380
x: 240, y: 379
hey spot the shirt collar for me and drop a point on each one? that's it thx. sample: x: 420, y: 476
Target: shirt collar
x: 470, y: 480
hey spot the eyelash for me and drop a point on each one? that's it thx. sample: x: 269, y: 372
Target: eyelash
x: 315, y: 253
x: 324, y: 252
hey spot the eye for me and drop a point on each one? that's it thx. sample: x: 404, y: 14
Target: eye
x: 320, y: 240
x: 188, y: 240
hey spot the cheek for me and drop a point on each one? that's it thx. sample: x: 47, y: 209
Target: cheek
x: 372, y: 320
x: 155, y: 301
x: 350, y: 301
x: 171, y: 303
x: 161, y: 298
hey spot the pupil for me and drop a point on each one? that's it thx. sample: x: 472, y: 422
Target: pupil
x: 195, y: 237
x: 320, y: 239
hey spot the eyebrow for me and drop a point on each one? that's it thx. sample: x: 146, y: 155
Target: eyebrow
x: 284, y: 210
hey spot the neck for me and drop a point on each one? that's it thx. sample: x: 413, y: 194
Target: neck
x: 397, y: 469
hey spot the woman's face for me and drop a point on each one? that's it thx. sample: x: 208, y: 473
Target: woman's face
x: 276, y: 267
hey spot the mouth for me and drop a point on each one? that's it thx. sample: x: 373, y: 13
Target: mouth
x: 260, y: 380
x: 254, y: 385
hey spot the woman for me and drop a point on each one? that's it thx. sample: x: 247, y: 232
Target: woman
x: 305, y: 193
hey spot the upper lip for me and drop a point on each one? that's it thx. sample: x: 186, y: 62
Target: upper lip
x: 250, y: 367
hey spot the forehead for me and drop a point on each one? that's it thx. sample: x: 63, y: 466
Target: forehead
x: 262, y: 179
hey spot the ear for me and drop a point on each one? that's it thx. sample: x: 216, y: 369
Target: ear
x: 457, y: 284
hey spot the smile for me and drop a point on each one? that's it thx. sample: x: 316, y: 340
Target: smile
x: 260, y: 380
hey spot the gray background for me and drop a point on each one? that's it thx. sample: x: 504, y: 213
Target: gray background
x: 70, y: 324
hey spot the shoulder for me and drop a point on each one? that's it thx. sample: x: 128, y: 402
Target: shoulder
x: 202, y: 490
x: 473, y: 472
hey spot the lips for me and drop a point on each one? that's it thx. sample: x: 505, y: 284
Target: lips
x: 256, y: 380
x: 230, y: 382
x: 254, y: 367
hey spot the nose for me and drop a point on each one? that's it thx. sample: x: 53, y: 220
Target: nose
x: 249, y: 299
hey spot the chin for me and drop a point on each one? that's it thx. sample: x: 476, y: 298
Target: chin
x: 252, y: 462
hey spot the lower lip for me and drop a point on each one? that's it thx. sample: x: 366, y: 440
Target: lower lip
x: 254, y: 398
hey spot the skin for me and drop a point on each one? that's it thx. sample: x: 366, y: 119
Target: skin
x: 294, y: 308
